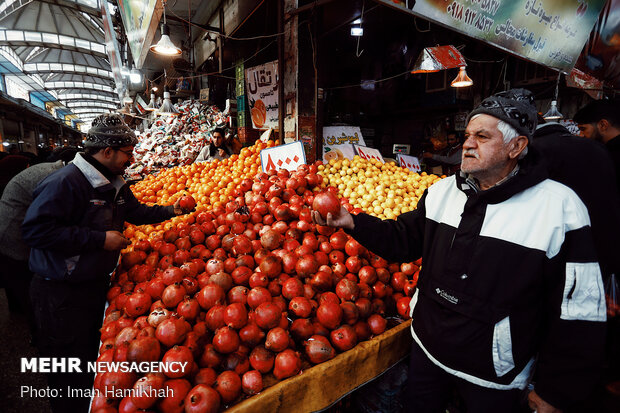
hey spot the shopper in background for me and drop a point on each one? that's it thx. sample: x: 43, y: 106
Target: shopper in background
x: 573, y: 161
x: 216, y: 149
x: 14, y: 252
x: 510, y: 288
x: 450, y: 159
x: 73, y: 227
x: 600, y: 120
x: 11, y: 165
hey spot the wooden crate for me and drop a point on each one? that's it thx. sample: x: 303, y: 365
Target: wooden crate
x: 320, y: 386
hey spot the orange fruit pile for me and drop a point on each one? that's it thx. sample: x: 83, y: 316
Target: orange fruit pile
x: 210, y: 183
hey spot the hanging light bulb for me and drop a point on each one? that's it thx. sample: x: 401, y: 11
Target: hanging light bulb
x: 151, y: 106
x: 553, y: 113
x: 165, y: 46
x: 135, y: 76
x: 462, y: 80
x: 167, y: 108
x: 127, y: 99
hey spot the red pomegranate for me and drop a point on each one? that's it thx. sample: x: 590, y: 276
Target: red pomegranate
x: 228, y: 385
x: 329, y: 314
x: 344, y: 338
x: 287, y: 364
x: 252, y: 382
x: 183, y: 358
x: 325, y: 203
x: 262, y: 359
x: 318, y: 349
x: 202, y: 399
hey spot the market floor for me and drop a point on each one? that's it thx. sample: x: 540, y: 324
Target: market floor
x: 15, y: 344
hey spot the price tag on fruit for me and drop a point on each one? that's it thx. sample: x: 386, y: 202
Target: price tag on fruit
x: 410, y: 162
x: 368, y: 153
x: 288, y: 157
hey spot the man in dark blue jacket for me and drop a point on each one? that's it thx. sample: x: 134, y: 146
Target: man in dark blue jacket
x: 74, y: 228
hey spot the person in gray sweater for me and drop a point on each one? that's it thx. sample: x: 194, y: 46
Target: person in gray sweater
x: 14, y: 252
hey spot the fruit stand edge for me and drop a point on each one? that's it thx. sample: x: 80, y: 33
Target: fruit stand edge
x: 320, y: 386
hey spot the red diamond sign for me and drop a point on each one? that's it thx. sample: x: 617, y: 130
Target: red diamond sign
x: 288, y: 156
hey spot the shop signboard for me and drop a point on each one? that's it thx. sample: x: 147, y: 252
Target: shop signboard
x: 338, y: 152
x: 262, y: 92
x: 112, y: 50
x: 140, y: 19
x: 339, y: 135
x: 410, y: 162
x: 288, y: 157
x: 591, y: 85
x: 601, y: 55
x: 368, y: 153
x: 549, y: 32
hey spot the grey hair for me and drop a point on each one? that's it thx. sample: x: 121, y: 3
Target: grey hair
x: 508, y: 133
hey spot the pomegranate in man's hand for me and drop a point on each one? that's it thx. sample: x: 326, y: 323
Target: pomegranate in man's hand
x: 187, y: 203
x: 326, y: 202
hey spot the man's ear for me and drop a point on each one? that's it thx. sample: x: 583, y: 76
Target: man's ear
x: 107, y: 152
x: 517, y: 145
x: 602, y: 125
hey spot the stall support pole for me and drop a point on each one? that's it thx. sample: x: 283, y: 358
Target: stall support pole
x: 281, y: 102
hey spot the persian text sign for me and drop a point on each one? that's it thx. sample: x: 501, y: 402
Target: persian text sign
x: 410, y: 162
x: 262, y: 89
x: 369, y: 153
x: 288, y: 157
x: 550, y: 32
x: 339, y: 135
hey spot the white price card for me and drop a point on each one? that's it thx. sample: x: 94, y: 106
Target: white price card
x: 368, y: 153
x: 288, y: 157
x: 410, y: 162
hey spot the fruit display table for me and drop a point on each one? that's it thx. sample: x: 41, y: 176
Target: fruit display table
x: 318, y: 387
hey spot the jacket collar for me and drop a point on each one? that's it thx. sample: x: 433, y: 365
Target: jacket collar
x: 531, y: 171
x: 96, y: 178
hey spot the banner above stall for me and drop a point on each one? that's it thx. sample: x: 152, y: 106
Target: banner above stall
x: 262, y: 91
x: 549, y: 32
x: 140, y: 19
x: 591, y: 85
x: 601, y: 54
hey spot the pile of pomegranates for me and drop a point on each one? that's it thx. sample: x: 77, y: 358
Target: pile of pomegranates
x: 246, y: 294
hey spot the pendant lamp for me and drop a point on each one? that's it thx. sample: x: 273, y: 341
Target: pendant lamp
x: 151, y: 106
x: 165, y: 46
x: 167, y: 108
x: 553, y: 114
x: 462, y: 80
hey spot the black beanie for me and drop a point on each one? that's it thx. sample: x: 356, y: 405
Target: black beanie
x: 109, y: 130
x: 515, y: 107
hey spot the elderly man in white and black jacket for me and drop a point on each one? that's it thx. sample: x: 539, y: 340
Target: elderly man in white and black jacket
x: 510, y: 289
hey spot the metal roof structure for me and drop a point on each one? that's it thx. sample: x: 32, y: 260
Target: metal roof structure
x: 55, y: 49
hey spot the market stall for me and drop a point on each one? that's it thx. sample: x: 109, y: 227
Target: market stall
x: 257, y: 299
x: 173, y: 140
